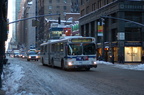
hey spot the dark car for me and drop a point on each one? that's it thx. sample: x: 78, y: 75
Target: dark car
x: 32, y: 56
x: 16, y: 54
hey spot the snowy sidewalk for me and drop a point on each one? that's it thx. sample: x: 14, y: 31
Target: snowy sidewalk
x: 130, y: 66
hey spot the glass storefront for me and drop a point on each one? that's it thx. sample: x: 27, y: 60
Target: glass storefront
x: 115, y: 49
x: 133, y: 54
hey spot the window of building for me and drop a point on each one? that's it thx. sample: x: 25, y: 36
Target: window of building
x: 65, y: 1
x: 57, y: 12
x: 58, y: 1
x: 133, y: 34
x: 82, y: 12
x: 134, y: 16
x: 50, y: 12
x: 50, y: 7
x: 58, y: 6
x: 93, y: 6
x: 132, y: 54
x: 87, y: 9
x: 82, y: 2
x: 50, y: 1
x: 106, y: 2
x: 99, y: 3
x: 65, y: 8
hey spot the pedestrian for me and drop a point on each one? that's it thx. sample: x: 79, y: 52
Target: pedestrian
x: 142, y: 58
x: 112, y: 58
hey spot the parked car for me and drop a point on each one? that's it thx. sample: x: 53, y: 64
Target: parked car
x: 32, y: 56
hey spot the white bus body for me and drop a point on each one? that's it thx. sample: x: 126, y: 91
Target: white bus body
x: 71, y: 52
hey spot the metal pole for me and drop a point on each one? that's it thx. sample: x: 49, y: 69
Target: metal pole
x: 123, y: 20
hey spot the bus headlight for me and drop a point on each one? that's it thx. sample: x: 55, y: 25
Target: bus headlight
x: 29, y: 57
x: 36, y: 56
x: 70, y: 63
x: 94, y: 62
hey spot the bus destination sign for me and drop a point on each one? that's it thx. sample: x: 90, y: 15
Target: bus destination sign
x: 82, y: 40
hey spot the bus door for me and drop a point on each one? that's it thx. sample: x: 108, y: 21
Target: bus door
x: 46, y: 55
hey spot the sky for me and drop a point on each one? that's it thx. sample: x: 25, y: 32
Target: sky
x: 11, y: 17
x: 16, y: 74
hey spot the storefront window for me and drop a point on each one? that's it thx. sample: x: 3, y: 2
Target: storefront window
x: 132, y: 54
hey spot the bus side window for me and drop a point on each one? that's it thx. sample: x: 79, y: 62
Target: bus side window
x: 61, y: 47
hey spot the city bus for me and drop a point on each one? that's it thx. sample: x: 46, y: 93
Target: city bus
x: 69, y: 52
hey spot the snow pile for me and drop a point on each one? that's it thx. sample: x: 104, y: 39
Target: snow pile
x: 103, y: 62
x: 11, y: 78
x: 131, y: 67
x: 124, y: 66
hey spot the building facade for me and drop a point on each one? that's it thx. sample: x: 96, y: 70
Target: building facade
x: 115, y: 37
x: 52, y: 8
x: 26, y: 31
x: 75, y: 6
x: 55, y: 9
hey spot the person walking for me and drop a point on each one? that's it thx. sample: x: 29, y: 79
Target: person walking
x: 112, y: 58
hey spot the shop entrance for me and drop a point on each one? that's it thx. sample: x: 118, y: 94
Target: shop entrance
x: 133, y: 54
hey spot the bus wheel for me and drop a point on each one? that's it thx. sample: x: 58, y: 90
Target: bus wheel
x: 87, y: 69
x: 43, y: 62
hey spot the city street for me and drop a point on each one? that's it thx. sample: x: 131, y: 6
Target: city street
x: 31, y: 78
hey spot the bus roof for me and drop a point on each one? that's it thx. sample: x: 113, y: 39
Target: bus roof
x: 63, y: 39
x: 67, y: 37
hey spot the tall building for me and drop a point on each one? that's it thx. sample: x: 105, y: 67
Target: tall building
x: 114, y: 36
x: 55, y: 9
x: 52, y: 8
x: 26, y: 31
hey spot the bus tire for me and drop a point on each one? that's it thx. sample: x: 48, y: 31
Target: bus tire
x: 43, y: 62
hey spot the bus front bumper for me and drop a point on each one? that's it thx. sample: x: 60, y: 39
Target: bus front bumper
x: 80, y: 66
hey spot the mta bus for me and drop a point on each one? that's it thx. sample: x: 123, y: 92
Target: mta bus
x: 69, y: 52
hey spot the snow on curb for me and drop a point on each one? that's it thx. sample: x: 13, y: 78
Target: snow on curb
x: 12, y: 77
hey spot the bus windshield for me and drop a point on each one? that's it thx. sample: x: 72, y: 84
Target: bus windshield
x: 74, y: 49
x: 79, y: 49
x: 89, y: 49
